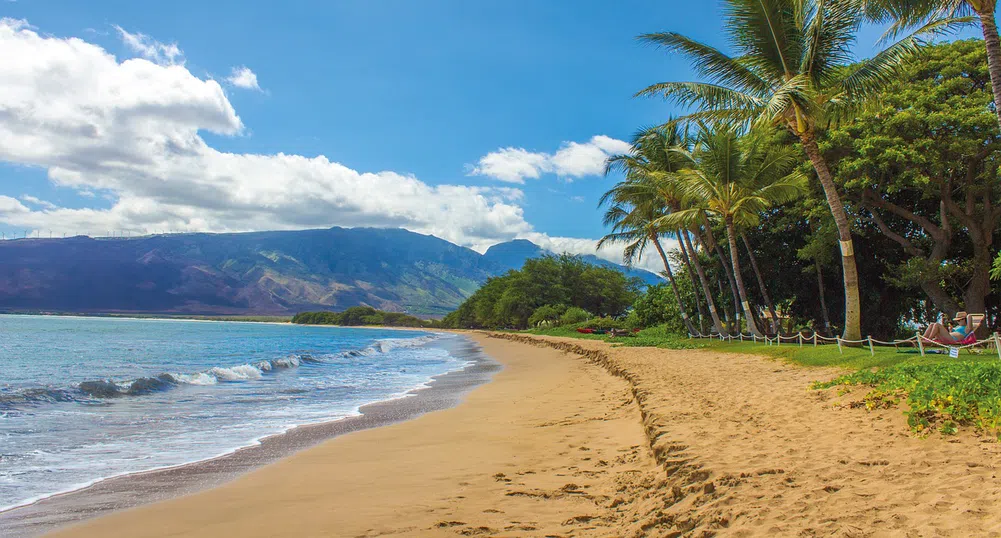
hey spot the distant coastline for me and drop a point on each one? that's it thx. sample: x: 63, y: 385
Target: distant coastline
x: 123, y: 315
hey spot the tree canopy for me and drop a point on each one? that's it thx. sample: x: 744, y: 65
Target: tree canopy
x: 510, y: 300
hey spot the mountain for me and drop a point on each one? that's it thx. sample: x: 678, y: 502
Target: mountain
x: 512, y: 255
x: 271, y: 273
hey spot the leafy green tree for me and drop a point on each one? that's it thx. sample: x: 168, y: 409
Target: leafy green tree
x: 934, y: 16
x: 923, y: 167
x: 511, y: 300
x: 657, y: 307
x: 574, y: 315
x: 794, y: 68
x: 736, y: 179
x: 547, y: 314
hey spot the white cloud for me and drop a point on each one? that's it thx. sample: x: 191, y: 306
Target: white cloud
x: 38, y: 202
x: 609, y: 251
x: 151, y: 49
x: 130, y: 130
x: 243, y: 77
x: 572, y: 160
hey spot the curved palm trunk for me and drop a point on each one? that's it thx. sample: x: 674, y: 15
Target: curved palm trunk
x: 714, y: 245
x: 761, y: 283
x: 704, y: 243
x: 853, y: 307
x: 993, y: 44
x: 823, y: 301
x: 674, y: 286
x: 731, y: 236
x: 717, y: 324
x: 694, y: 279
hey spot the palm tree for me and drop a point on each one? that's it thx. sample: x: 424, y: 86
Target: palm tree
x: 761, y: 283
x: 636, y: 203
x: 655, y: 152
x: 933, y: 16
x: 633, y: 219
x: 794, y: 68
x: 735, y: 179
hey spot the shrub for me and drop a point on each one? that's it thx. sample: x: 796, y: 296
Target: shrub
x: 603, y: 323
x: 546, y: 313
x: 574, y: 315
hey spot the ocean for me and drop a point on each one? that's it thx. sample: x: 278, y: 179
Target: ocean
x: 82, y: 399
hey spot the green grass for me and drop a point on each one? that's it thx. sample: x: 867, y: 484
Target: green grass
x: 941, y: 393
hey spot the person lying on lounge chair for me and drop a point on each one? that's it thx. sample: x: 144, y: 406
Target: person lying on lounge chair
x: 959, y: 332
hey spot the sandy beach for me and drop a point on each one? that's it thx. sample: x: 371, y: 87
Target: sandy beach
x: 577, y: 438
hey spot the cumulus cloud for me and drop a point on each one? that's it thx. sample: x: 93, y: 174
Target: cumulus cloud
x: 243, y: 77
x: 130, y: 130
x: 609, y: 251
x: 572, y: 160
x: 38, y: 202
x: 151, y: 49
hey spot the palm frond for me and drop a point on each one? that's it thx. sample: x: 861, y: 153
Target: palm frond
x: 709, y: 62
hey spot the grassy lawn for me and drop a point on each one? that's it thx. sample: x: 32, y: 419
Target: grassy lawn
x: 940, y: 392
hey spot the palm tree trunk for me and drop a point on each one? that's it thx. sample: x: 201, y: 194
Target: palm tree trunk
x: 993, y: 44
x: 674, y: 286
x: 761, y: 282
x: 694, y: 279
x: 731, y: 236
x: 717, y: 324
x: 853, y: 307
x: 823, y: 301
x: 709, y: 243
x: 725, y: 265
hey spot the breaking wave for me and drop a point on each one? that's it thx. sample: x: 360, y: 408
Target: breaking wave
x: 102, y: 389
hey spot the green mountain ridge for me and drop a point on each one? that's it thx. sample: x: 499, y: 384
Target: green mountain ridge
x: 255, y: 273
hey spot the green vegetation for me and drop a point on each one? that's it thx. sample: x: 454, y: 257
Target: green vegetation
x: 569, y: 289
x: 360, y: 315
x: 965, y: 393
x: 871, y: 179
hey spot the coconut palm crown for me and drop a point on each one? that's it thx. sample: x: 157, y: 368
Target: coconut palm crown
x: 735, y: 179
x: 794, y: 68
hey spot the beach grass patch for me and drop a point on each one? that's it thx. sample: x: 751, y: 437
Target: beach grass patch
x: 950, y: 394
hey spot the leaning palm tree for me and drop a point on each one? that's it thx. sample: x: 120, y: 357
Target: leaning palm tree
x: 794, y: 68
x: 934, y: 16
x: 735, y: 179
x: 632, y: 219
x: 653, y: 154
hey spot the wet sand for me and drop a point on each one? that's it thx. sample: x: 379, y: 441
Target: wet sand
x: 579, y: 438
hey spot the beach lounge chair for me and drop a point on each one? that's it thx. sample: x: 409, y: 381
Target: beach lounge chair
x: 973, y: 321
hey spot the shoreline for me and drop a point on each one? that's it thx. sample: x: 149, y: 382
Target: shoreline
x: 124, y: 491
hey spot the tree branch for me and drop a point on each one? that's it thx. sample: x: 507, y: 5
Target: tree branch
x: 908, y: 246
x: 870, y: 197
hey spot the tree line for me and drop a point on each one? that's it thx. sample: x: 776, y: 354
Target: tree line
x: 358, y: 316
x: 792, y: 150
x: 548, y: 289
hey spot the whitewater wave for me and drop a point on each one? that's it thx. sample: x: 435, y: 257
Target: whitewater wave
x: 103, y: 389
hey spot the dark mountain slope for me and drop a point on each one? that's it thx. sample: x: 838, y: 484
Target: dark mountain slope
x: 251, y: 273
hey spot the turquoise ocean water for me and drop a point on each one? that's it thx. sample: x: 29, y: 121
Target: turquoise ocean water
x: 83, y: 399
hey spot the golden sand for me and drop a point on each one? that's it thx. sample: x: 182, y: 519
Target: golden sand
x: 576, y: 438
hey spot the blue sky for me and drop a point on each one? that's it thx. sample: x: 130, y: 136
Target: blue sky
x: 421, y: 91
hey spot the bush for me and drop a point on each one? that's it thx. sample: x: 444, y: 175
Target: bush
x: 964, y: 393
x: 574, y: 315
x: 603, y: 323
x: 547, y: 314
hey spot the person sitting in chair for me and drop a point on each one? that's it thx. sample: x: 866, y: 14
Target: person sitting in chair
x: 958, y: 333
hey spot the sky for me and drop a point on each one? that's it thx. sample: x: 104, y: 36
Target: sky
x: 477, y: 122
